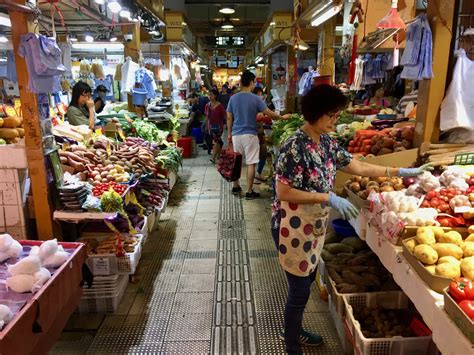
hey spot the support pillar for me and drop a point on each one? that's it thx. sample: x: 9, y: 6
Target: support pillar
x: 431, y: 92
x: 44, y: 209
x: 326, y: 63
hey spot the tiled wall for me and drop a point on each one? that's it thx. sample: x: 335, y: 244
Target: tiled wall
x: 14, y: 189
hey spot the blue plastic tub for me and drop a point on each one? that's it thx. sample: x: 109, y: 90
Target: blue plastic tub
x: 343, y: 228
x: 139, y: 96
x: 197, y: 134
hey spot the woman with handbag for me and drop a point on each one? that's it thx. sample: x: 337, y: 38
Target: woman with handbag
x: 305, y: 174
x: 215, y: 120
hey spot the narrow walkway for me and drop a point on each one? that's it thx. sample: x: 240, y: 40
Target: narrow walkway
x: 208, y: 282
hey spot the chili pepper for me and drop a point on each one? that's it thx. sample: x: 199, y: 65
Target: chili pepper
x: 461, y: 289
x: 468, y: 307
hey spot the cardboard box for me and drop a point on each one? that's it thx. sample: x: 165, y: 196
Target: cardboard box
x: 13, y: 156
x: 435, y: 282
x: 464, y: 323
x: 399, y: 159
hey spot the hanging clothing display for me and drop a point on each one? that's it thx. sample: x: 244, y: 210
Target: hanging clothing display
x: 128, y: 70
x: 43, y: 62
x: 8, y: 68
x: 417, y: 58
x: 368, y: 72
x: 457, y: 109
x: 306, y: 81
x: 358, y: 74
x: 145, y: 78
x: 66, y: 55
x: 180, y: 73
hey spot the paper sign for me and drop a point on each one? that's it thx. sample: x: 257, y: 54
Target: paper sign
x: 101, y: 266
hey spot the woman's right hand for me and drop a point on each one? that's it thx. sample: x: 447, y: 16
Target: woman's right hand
x: 90, y: 103
x: 343, y: 206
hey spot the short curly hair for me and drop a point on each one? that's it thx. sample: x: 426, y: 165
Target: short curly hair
x: 321, y: 100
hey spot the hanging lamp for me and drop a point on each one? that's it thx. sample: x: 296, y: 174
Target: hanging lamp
x: 393, y: 20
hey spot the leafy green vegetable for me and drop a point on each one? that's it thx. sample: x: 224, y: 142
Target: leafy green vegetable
x: 282, y: 130
x: 3, y: 141
x: 111, y: 201
x: 170, y: 159
x: 148, y: 131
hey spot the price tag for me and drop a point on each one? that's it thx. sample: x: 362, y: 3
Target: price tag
x: 101, y: 266
x: 462, y: 209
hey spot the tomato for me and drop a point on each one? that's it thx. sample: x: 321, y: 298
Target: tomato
x: 445, y: 222
x: 425, y: 204
x: 461, y: 289
x: 430, y: 195
x: 435, y: 202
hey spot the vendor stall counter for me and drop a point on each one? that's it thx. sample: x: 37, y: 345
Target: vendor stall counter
x: 38, y: 324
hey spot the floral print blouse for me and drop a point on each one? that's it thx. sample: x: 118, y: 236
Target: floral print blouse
x: 306, y: 165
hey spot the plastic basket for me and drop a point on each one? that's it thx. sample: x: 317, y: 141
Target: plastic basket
x: 111, y: 264
x: 390, y: 297
x: 464, y: 159
x: 139, y: 96
x: 381, y: 346
x: 106, y: 302
x: 340, y: 329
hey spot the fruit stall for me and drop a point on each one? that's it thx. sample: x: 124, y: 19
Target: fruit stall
x: 410, y: 249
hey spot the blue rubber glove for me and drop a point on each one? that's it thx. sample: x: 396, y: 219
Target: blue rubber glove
x: 408, y: 172
x: 343, y: 206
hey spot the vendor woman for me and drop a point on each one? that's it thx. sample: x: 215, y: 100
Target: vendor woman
x: 305, y: 174
x: 81, y: 110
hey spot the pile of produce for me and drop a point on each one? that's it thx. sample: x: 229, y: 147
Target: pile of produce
x: 354, y: 267
x: 363, y: 186
x: 282, y: 130
x: 111, y: 245
x: 346, y: 131
x: 148, y: 131
x: 101, y: 187
x: 170, y: 159
x: 372, y: 142
x: 444, y: 253
x: 443, y: 153
x: 111, y: 201
x: 152, y: 194
x: 377, y: 322
x: 11, y: 127
x: 462, y: 291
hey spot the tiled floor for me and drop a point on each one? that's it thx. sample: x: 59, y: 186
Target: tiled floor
x: 208, y: 282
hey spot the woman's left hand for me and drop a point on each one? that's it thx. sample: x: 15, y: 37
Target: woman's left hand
x: 408, y: 172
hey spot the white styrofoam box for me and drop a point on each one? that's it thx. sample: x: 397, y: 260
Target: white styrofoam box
x: 2, y: 219
x: 18, y: 233
x: 14, y: 216
x: 15, y: 193
x: 13, y: 156
x: 8, y: 175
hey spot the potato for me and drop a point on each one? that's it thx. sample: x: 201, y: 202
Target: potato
x: 426, y: 254
x: 448, y: 249
x: 438, y: 231
x: 425, y: 235
x: 449, y: 259
x: 467, y: 267
x: 448, y: 270
x: 470, y: 238
x: 450, y: 237
x: 431, y: 269
x: 468, y: 249
x: 411, y: 244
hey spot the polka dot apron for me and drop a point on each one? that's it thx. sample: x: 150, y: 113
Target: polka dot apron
x: 302, y: 232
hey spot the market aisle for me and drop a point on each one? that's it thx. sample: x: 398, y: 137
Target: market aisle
x: 208, y: 282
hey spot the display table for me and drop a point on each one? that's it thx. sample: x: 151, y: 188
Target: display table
x: 430, y: 304
x: 36, y: 327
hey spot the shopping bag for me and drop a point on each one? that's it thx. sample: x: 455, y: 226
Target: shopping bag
x: 229, y: 164
x: 302, y: 233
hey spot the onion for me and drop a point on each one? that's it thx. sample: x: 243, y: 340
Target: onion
x: 407, y: 181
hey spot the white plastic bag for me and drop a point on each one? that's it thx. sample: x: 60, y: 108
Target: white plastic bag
x: 56, y: 260
x: 15, y: 249
x: 26, y: 266
x: 6, y: 315
x: 457, y: 109
x: 20, y: 283
x: 5, y: 241
x: 40, y: 278
x: 48, y: 248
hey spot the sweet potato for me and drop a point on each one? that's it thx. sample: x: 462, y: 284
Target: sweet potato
x: 9, y: 133
x: 12, y: 122
x: 467, y: 267
x: 336, y: 248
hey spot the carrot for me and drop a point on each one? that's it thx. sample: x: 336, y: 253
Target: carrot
x: 367, y: 142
